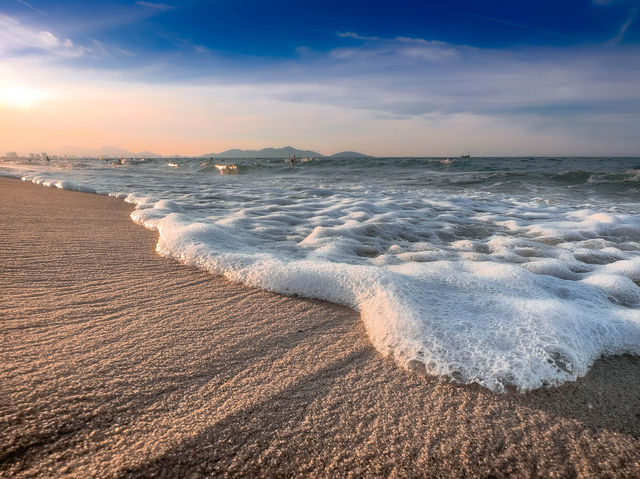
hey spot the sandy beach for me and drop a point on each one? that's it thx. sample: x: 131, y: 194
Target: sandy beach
x: 116, y: 362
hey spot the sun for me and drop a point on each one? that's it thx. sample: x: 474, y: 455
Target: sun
x: 21, y: 97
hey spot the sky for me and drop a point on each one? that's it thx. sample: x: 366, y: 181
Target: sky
x: 387, y: 78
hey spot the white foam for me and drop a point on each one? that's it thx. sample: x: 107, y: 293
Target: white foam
x: 61, y: 184
x: 473, y: 320
x: 499, y: 290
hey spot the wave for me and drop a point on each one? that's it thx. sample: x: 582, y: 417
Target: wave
x: 222, y: 169
x: 487, y: 174
x: 571, y: 177
x: 227, y: 169
x: 507, y: 291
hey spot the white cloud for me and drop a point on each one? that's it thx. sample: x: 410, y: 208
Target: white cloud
x: 49, y: 39
x: 420, y: 77
x: 409, y: 47
x: 17, y: 38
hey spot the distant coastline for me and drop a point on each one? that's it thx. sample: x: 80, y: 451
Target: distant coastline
x: 116, y: 152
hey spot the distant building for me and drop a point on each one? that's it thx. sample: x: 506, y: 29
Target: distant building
x: 43, y: 155
x: 12, y: 154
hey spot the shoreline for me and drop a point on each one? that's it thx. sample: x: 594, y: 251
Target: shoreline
x: 120, y: 363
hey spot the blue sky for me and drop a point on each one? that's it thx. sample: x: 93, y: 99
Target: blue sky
x: 406, y: 78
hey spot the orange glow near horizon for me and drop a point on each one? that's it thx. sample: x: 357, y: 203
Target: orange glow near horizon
x: 69, y: 112
x: 131, y: 117
x: 186, y: 120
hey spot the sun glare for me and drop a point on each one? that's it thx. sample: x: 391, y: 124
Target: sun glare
x: 21, y: 97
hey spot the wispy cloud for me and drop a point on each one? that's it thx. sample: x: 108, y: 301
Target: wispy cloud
x: 407, y: 47
x: 158, y: 6
x: 357, y: 36
x: 183, y: 43
x: 102, y: 50
x: 28, y: 5
x: 628, y: 21
x: 631, y: 18
x: 16, y: 37
x: 520, y: 25
x: 399, y: 39
x: 21, y: 40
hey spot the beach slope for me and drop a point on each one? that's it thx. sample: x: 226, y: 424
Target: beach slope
x: 116, y: 362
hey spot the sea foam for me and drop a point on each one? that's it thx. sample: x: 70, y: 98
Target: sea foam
x: 507, y: 288
x: 471, y: 319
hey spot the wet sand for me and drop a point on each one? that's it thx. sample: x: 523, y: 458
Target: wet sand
x: 116, y: 362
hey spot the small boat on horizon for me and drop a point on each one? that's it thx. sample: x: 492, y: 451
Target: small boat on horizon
x: 468, y: 155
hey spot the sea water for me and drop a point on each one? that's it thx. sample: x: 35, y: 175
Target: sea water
x: 507, y: 272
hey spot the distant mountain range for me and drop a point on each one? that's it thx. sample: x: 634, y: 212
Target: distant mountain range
x: 281, y: 153
x: 115, y: 152
x: 264, y: 153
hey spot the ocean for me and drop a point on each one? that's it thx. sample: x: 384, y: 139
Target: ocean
x: 513, y: 273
